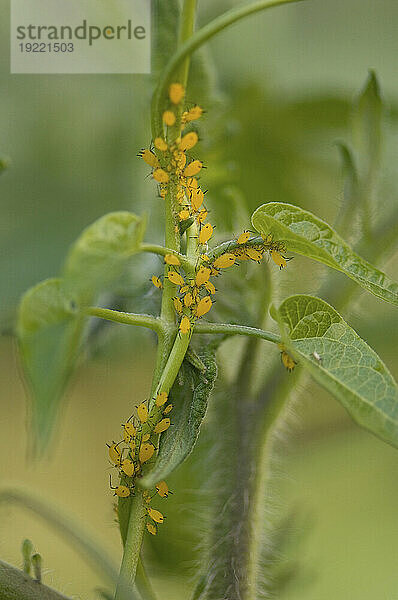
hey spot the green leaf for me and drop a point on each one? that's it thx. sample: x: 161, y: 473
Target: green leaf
x: 367, y: 119
x: 49, y: 334
x: 338, y: 359
x: 308, y: 235
x: 100, y: 254
x: 190, y: 401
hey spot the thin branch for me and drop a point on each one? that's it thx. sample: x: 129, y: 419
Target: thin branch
x: 197, y: 40
x: 228, y: 329
x: 126, y: 318
x: 162, y: 251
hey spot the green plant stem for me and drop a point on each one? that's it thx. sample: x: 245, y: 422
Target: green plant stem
x: 171, y: 346
x: 162, y: 251
x: 197, y: 40
x: 228, y: 329
x: 143, y: 584
x: 17, y: 585
x: 132, y: 548
x: 126, y: 318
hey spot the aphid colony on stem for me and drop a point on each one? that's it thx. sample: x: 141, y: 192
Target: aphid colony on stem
x: 193, y: 298
x: 137, y: 446
x: 176, y: 174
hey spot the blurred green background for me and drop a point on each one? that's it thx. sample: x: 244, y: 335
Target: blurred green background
x: 283, y: 87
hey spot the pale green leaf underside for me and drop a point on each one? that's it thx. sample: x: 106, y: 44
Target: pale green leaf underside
x: 100, y: 254
x: 50, y: 328
x: 49, y: 334
x: 349, y: 368
x: 308, y: 235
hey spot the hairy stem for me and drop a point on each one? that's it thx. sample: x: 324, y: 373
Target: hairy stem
x: 17, y: 585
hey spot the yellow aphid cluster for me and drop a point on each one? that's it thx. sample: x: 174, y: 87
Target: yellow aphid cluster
x: 168, y: 159
x: 247, y: 249
x: 137, y: 446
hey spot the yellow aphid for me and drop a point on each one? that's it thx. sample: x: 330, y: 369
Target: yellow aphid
x: 162, y: 489
x: 122, y: 491
x: 163, y: 192
x: 202, y: 276
x: 149, y: 157
x: 168, y: 409
x: 188, y: 141
x: 151, y: 527
x: 205, y: 233
x: 287, y: 361
x: 114, y: 452
x: 156, y: 282
x: 129, y: 428
x: 204, y: 257
x: 128, y: 467
x: 177, y: 305
x: 188, y: 300
x: 240, y: 253
x: 169, y: 118
x: 202, y: 215
x: 279, y: 260
x: 192, y: 114
x: 224, y: 261
x: 254, y: 254
x: 146, y: 437
x: 193, y: 168
x: 156, y: 515
x: 184, y: 214
x: 176, y: 93
x: 142, y: 412
x: 161, y: 399
x: 175, y: 278
x: 132, y: 445
x: 129, y: 431
x: 244, y: 237
x: 267, y: 238
x: 191, y: 183
x: 181, y: 161
x: 162, y: 426
x: 171, y: 259
x: 147, y: 497
x: 160, y: 144
x: 184, y: 289
x: 180, y: 195
x: 210, y: 287
x: 160, y: 176
x: 197, y: 197
x: 203, y: 306
x: 146, y: 452
x: 185, y: 325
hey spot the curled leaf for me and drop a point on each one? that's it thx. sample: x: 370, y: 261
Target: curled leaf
x: 190, y: 400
